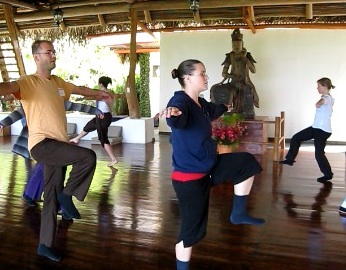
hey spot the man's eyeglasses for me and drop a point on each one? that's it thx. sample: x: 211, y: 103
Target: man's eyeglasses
x: 50, y: 53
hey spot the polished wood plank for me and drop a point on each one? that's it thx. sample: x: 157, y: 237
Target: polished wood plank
x: 130, y: 217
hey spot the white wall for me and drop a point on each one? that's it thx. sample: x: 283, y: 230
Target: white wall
x: 289, y: 62
x: 154, y: 83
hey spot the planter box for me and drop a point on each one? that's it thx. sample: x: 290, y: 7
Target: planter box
x: 137, y: 130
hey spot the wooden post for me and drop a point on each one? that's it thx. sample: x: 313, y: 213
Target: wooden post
x: 276, y: 139
x: 131, y: 95
x: 282, y: 129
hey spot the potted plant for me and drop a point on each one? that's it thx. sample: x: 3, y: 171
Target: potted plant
x: 227, y: 130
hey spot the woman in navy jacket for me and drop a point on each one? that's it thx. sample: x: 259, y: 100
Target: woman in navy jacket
x: 196, y: 165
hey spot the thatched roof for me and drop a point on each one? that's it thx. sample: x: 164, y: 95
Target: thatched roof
x: 83, y: 18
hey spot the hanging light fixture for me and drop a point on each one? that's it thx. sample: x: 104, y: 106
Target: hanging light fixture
x: 194, y: 5
x: 58, y: 16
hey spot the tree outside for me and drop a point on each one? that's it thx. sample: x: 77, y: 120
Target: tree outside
x: 82, y: 64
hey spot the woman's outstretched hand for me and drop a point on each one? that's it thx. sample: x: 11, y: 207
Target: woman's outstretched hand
x: 170, y: 111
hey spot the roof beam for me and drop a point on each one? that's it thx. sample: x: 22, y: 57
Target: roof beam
x: 147, y: 16
x: 74, y: 12
x: 103, y: 7
x: 102, y: 22
x: 197, y: 17
x: 177, y: 4
x: 150, y: 5
x: 164, y: 5
x: 309, y: 14
x: 127, y: 51
x: 145, y: 29
x: 248, y: 13
x: 85, y: 3
x: 183, y: 4
x: 62, y: 26
x: 17, y: 3
x: 251, y: 12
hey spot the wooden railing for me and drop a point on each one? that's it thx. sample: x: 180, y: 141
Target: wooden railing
x: 279, y: 135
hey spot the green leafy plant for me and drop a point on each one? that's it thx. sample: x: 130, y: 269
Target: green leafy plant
x: 144, y: 88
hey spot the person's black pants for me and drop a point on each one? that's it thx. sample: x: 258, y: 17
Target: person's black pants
x: 320, y: 140
x: 55, y: 156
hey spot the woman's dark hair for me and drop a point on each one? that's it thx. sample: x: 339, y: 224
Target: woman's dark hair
x: 326, y: 82
x: 186, y: 67
x: 104, y: 80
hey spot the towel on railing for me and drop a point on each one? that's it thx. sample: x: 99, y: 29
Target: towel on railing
x: 20, y: 147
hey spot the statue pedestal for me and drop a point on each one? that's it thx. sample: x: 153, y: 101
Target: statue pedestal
x: 256, y: 138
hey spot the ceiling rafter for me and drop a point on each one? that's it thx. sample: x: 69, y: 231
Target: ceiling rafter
x: 145, y: 29
x: 248, y: 14
x: 63, y: 26
x: 102, y: 22
x: 112, y: 16
x: 85, y: 3
x: 182, y: 4
x: 309, y: 12
x: 147, y: 16
x: 17, y: 3
x: 74, y: 12
x: 197, y: 17
x: 93, y: 8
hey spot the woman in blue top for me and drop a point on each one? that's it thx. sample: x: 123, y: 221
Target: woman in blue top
x: 196, y: 165
x: 320, y: 131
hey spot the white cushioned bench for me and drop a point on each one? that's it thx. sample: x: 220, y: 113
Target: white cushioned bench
x: 114, y: 135
x: 72, y: 130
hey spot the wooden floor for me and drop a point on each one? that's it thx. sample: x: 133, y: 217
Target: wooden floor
x: 130, y: 217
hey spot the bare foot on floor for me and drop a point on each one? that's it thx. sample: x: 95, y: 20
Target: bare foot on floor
x: 74, y: 140
x: 113, y: 162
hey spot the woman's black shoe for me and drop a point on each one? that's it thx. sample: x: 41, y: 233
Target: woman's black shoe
x: 287, y: 162
x: 324, y: 178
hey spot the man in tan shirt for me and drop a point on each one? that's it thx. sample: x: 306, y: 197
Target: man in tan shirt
x: 42, y: 96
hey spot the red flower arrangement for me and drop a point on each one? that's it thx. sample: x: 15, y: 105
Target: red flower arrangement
x: 228, y: 129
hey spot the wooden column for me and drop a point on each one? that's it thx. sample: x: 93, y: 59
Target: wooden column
x: 131, y: 95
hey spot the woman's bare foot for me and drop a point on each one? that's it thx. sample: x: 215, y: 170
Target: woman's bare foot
x: 113, y: 162
x: 74, y: 140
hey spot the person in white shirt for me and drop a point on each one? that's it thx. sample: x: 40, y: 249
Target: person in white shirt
x: 101, y: 124
x: 320, y: 131
x: 342, y: 208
